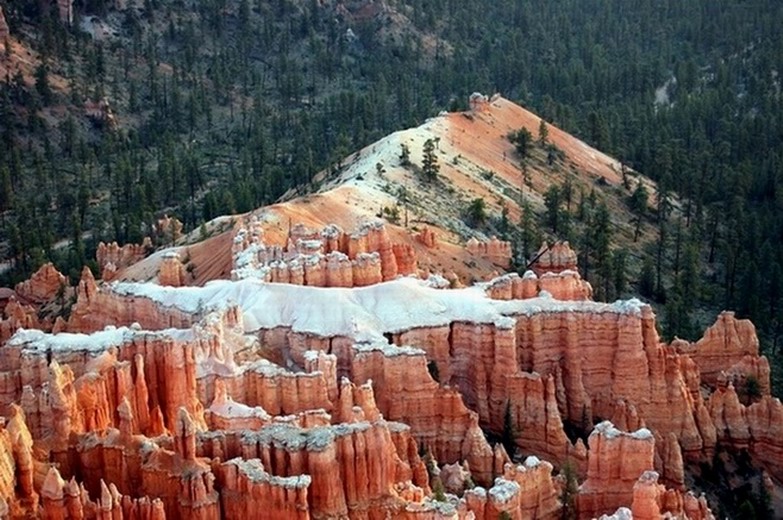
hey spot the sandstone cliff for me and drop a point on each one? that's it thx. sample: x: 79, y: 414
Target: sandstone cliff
x: 43, y: 286
x: 342, y: 391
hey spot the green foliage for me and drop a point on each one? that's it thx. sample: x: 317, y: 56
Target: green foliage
x: 543, y: 133
x: 523, y: 142
x: 42, y: 84
x: 552, y: 202
x: 569, y: 491
x: 405, y: 155
x: 528, y: 237
x: 438, y: 492
x: 391, y: 213
x: 476, y: 213
x: 504, y: 515
x: 647, y: 279
x: 752, y: 388
x: 429, y: 163
x: 228, y: 105
x: 747, y: 511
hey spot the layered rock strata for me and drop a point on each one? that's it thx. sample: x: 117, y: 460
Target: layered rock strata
x: 329, y: 258
x: 293, y: 398
x: 729, y: 348
x: 616, y: 460
x: 566, y: 285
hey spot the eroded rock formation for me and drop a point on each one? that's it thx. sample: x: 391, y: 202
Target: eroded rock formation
x: 496, y: 251
x: 172, y: 271
x: 554, y: 258
x: 329, y: 258
x: 43, y: 286
x: 111, y: 257
x: 334, y: 395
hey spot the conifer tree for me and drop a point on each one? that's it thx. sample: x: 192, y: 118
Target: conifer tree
x: 429, y: 165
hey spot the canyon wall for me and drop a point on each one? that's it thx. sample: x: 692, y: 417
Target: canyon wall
x: 326, y: 258
x: 329, y: 402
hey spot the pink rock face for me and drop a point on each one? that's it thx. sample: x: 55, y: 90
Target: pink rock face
x: 111, y: 257
x: 95, y: 308
x: 172, y: 272
x: 729, y: 345
x: 427, y: 237
x: 18, y: 316
x: 43, y: 286
x: 555, y: 259
x: 261, y: 406
x: 496, y: 251
x: 329, y: 258
x: 405, y: 256
x: 523, y: 491
x: 616, y: 460
x: 651, y: 501
x: 248, y: 489
x: 567, y: 285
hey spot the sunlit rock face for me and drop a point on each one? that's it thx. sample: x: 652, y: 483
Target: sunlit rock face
x: 324, y: 381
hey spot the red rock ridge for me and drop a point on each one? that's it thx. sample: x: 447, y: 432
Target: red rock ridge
x: 43, y: 286
x: 566, y: 285
x: 729, y: 348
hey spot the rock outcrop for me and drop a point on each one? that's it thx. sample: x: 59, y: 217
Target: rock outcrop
x: 18, y: 316
x: 43, y: 286
x: 651, y: 501
x: 496, y: 251
x: 111, y: 257
x: 329, y: 258
x: 616, y: 460
x: 730, y: 348
x: 172, y: 271
x: 554, y: 259
x: 523, y: 491
x: 566, y: 285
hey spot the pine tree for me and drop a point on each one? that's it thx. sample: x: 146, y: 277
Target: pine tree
x: 429, y: 165
x: 569, y: 491
x: 523, y: 142
x: 543, y: 133
x: 552, y: 203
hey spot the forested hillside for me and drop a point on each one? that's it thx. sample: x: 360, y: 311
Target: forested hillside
x: 219, y: 106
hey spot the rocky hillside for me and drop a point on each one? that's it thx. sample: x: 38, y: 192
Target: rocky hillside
x: 477, y: 166
x: 313, y: 359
